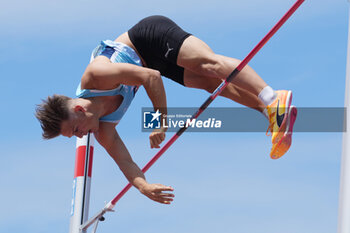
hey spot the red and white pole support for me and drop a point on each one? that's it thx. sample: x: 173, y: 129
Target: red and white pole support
x: 81, y: 183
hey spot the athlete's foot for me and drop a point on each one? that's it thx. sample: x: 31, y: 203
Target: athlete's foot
x: 282, y: 146
x: 278, y: 114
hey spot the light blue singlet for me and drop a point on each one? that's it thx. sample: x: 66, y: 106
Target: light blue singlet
x: 122, y: 54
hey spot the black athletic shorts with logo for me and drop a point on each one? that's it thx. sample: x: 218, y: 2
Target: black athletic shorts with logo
x: 158, y: 41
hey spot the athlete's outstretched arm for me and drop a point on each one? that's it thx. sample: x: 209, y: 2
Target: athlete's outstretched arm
x: 102, y: 74
x: 108, y: 137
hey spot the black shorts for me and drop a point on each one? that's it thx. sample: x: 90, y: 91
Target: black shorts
x: 158, y: 41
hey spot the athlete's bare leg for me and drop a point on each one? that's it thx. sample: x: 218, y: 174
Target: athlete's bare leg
x: 196, y: 56
x: 206, y: 82
x: 231, y: 91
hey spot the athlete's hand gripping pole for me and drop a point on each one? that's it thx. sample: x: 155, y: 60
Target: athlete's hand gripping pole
x: 217, y: 91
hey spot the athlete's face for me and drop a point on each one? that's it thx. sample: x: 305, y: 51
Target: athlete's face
x: 80, y: 123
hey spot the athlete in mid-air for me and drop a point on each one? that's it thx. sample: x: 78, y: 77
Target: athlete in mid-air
x: 156, y: 47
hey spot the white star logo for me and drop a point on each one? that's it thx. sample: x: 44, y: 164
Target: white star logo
x: 156, y: 115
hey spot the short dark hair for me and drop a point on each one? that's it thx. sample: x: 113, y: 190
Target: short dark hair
x: 51, y: 112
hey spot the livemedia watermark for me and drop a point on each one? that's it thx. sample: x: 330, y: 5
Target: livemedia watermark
x: 154, y: 120
x: 240, y: 119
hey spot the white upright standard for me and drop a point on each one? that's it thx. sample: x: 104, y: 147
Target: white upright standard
x: 344, y: 196
x: 81, y: 183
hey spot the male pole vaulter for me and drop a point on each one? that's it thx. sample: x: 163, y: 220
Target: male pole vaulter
x: 156, y: 46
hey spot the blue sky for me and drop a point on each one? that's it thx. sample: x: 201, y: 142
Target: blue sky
x: 223, y: 181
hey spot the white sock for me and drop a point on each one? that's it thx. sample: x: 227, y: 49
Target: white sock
x: 267, y: 95
x: 264, y: 112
